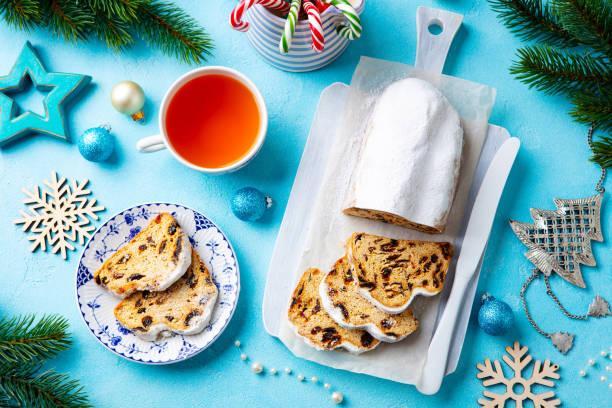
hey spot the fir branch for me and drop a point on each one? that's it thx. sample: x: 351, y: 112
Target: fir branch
x: 112, y: 31
x: 589, y: 21
x: 602, y: 152
x: 22, y: 340
x: 551, y: 71
x: 21, y: 14
x: 114, y: 22
x: 532, y: 20
x: 69, y: 19
x: 173, y: 31
x: 25, y: 386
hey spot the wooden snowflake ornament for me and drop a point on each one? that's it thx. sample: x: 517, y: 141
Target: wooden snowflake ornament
x: 59, y: 216
x: 518, y: 388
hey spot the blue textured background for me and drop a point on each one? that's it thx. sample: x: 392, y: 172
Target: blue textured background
x: 552, y: 162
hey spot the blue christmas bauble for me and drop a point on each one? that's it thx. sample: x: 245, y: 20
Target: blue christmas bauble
x: 96, y: 144
x: 250, y: 204
x: 495, y: 317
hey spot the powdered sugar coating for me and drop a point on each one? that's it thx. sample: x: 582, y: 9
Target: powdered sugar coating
x: 411, y: 155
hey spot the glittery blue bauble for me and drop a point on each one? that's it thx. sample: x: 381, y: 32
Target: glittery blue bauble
x: 495, y: 317
x: 250, y: 204
x: 96, y: 144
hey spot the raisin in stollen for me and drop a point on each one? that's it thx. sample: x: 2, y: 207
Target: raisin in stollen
x: 312, y: 323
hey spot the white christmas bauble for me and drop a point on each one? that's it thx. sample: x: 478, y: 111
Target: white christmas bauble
x: 127, y: 97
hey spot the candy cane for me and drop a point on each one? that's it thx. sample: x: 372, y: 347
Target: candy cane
x: 322, y: 6
x: 314, y: 19
x: 285, y: 42
x: 236, y: 16
x: 353, y: 30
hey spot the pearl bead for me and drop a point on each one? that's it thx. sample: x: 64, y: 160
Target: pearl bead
x: 327, y: 386
x: 243, y: 356
x: 603, y: 353
x: 591, y: 362
x: 610, y: 386
x: 287, y: 370
x: 301, y: 377
x: 257, y: 367
x: 237, y: 343
x: 314, y: 379
x: 582, y: 373
x: 337, y: 397
x: 608, y: 368
x: 603, y: 378
x: 273, y: 371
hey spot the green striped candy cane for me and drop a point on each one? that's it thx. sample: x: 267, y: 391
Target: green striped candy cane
x: 352, y: 31
x: 285, y: 42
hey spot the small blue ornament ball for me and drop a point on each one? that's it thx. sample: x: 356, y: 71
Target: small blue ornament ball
x: 96, y: 144
x: 495, y: 317
x: 250, y: 204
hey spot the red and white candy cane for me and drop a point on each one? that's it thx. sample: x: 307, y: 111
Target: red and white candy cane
x: 316, y: 28
x: 236, y: 16
x: 322, y: 6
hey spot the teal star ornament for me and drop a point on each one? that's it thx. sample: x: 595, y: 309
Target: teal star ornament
x: 63, y: 87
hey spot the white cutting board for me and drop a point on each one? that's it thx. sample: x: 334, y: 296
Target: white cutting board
x: 431, y: 54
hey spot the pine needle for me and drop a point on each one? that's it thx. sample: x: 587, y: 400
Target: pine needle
x: 69, y: 19
x: 594, y: 107
x: 602, y: 152
x: 24, y: 386
x: 589, y: 21
x: 112, y: 31
x: 173, y: 31
x: 552, y: 71
x: 23, y: 340
x: 21, y: 14
x: 532, y: 20
x: 125, y: 10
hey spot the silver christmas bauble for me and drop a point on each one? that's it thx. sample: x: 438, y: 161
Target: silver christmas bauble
x: 128, y: 98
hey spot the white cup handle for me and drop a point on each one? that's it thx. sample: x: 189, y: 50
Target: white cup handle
x: 151, y: 144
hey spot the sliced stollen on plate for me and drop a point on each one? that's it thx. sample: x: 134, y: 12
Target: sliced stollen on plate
x: 96, y: 304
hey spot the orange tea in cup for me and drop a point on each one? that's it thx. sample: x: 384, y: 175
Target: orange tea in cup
x: 212, y: 121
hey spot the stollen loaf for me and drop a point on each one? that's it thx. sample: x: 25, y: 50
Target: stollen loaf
x: 410, y: 159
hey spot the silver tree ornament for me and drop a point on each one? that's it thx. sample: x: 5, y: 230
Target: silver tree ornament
x: 560, y: 241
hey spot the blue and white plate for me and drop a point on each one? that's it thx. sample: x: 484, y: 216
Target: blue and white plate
x: 96, y: 304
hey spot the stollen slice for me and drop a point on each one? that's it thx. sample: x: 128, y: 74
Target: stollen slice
x: 153, y: 260
x: 391, y: 272
x: 341, y: 300
x: 184, y: 308
x: 311, y: 322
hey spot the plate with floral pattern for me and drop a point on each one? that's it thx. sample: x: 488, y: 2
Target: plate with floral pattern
x: 97, y: 304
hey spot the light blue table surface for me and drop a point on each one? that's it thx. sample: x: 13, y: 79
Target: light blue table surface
x: 552, y: 162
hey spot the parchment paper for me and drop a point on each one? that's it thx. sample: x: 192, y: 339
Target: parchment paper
x: 329, y: 229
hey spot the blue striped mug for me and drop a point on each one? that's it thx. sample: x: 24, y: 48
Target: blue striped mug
x: 266, y: 29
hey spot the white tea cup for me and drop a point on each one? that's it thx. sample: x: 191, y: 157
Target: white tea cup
x: 161, y: 141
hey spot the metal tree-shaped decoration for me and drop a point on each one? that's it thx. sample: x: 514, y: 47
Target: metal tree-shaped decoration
x: 561, y: 240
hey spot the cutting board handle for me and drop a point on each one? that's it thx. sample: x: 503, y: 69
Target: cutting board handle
x: 432, y: 49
